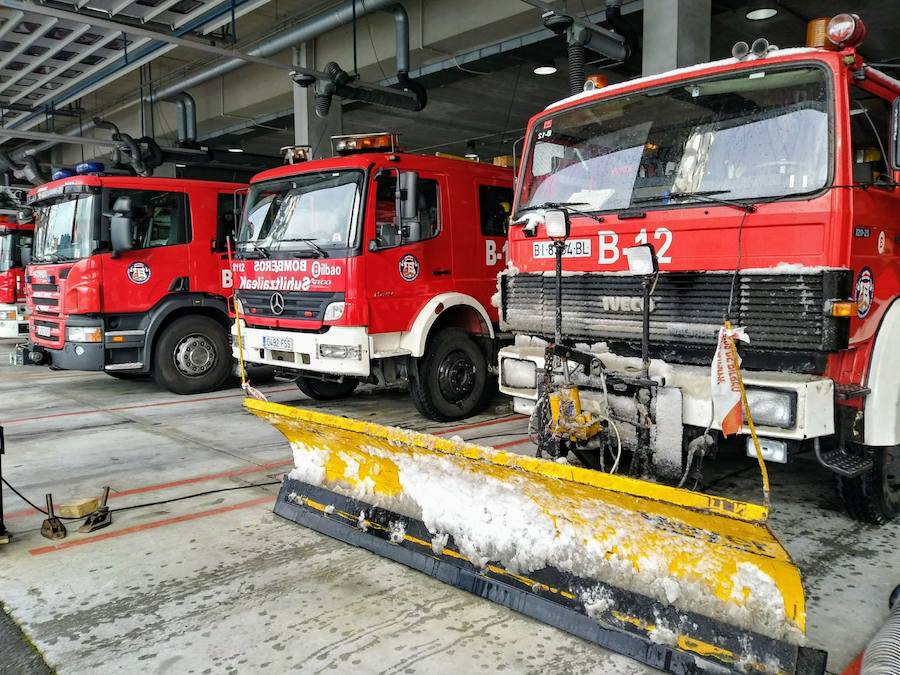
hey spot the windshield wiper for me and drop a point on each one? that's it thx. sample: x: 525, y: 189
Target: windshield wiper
x: 702, y: 196
x: 320, y: 252
x: 263, y: 253
x: 566, y: 206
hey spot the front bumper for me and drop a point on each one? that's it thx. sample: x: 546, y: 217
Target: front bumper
x: 13, y: 320
x: 71, y: 355
x: 812, y: 396
x: 300, y: 351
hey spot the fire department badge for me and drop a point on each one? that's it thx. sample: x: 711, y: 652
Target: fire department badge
x: 865, y: 292
x: 409, y: 267
x: 139, y: 272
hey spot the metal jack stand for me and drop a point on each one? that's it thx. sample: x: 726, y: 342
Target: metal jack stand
x: 52, y: 527
x: 100, y: 518
x: 4, y: 533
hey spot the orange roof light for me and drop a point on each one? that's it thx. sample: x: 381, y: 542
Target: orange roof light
x: 346, y: 145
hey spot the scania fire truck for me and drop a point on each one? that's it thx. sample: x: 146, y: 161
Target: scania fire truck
x: 766, y: 185
x: 375, y: 266
x: 129, y: 275
x: 14, y: 237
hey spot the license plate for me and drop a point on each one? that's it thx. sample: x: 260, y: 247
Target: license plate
x: 575, y: 248
x: 282, y: 344
x: 43, y: 331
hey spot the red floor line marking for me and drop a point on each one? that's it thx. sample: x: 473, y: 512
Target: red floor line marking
x: 476, y: 425
x: 151, y: 526
x: 855, y: 665
x: 509, y: 444
x: 137, y: 406
x: 175, y: 483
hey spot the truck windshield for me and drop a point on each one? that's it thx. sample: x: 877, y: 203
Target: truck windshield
x: 64, y: 229
x: 306, y: 214
x: 10, y: 251
x: 748, y: 136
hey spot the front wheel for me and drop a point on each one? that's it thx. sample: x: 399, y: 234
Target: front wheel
x: 874, y: 497
x: 192, y: 356
x: 323, y: 390
x: 449, y: 381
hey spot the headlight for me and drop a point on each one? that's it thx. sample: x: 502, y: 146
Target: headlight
x: 340, y: 352
x: 238, y: 306
x: 334, y: 311
x: 84, y: 334
x: 519, y: 373
x: 772, y: 407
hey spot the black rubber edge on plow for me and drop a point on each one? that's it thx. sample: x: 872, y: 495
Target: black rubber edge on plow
x: 551, y: 606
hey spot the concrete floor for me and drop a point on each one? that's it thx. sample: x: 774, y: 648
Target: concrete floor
x: 218, y: 584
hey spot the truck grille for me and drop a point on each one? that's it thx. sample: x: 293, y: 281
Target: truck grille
x: 779, y: 311
x: 306, y: 306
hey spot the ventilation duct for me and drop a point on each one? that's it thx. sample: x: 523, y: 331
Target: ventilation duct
x: 187, y: 117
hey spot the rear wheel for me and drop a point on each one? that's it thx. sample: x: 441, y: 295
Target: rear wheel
x: 874, y: 497
x: 449, y: 381
x: 323, y: 390
x: 192, y: 356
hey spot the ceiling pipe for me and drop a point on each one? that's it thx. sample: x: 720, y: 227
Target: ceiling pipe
x: 339, y: 83
x: 187, y: 117
x: 308, y: 30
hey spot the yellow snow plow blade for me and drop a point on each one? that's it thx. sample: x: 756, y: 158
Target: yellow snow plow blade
x: 638, y: 567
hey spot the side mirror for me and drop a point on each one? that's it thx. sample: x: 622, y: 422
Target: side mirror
x: 25, y: 215
x: 895, y: 134
x: 642, y: 260
x: 121, y: 228
x: 25, y: 255
x: 409, y: 206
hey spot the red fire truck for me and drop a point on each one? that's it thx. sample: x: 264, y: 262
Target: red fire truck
x: 767, y: 186
x: 375, y: 266
x: 13, y: 238
x: 129, y: 276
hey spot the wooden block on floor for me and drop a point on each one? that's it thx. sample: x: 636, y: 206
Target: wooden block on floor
x: 78, y: 508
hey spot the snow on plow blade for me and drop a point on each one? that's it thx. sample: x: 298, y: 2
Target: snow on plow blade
x: 676, y: 579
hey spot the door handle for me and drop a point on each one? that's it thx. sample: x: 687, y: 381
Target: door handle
x: 441, y: 272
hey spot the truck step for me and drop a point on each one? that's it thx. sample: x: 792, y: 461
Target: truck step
x: 844, y: 463
x: 845, y: 392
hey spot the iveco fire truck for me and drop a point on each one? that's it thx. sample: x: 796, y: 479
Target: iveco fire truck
x: 129, y: 276
x: 14, y: 237
x: 375, y: 266
x: 767, y: 186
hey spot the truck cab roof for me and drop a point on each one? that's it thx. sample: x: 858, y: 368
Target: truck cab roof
x: 58, y: 187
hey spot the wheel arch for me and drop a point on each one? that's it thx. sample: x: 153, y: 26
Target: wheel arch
x: 171, y: 309
x: 447, y: 309
x: 882, y: 405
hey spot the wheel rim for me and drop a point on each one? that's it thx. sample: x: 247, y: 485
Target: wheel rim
x: 195, y: 355
x: 891, y: 476
x: 456, y: 376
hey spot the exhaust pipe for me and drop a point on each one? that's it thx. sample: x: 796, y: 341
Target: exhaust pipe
x: 131, y: 147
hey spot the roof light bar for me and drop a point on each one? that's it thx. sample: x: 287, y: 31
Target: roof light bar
x: 349, y: 144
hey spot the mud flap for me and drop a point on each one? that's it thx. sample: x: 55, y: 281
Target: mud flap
x: 675, y: 579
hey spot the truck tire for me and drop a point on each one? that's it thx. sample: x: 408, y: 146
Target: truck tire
x: 323, y: 390
x: 192, y: 356
x: 448, y: 383
x: 874, y: 497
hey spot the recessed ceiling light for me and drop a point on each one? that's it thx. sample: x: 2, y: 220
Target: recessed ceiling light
x: 235, y: 149
x: 761, y: 13
x: 547, y: 68
x: 180, y: 166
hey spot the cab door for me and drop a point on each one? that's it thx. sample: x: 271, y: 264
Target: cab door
x: 158, y: 262
x: 409, y: 265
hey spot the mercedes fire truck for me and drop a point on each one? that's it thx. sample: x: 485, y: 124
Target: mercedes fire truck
x: 767, y: 185
x: 129, y: 276
x: 375, y: 266
x: 14, y: 238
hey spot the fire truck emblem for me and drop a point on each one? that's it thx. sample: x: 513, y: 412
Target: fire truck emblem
x: 139, y: 272
x: 865, y: 292
x: 409, y: 267
x: 276, y: 303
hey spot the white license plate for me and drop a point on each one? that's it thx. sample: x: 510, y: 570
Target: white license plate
x: 43, y: 331
x: 282, y: 344
x: 575, y: 248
